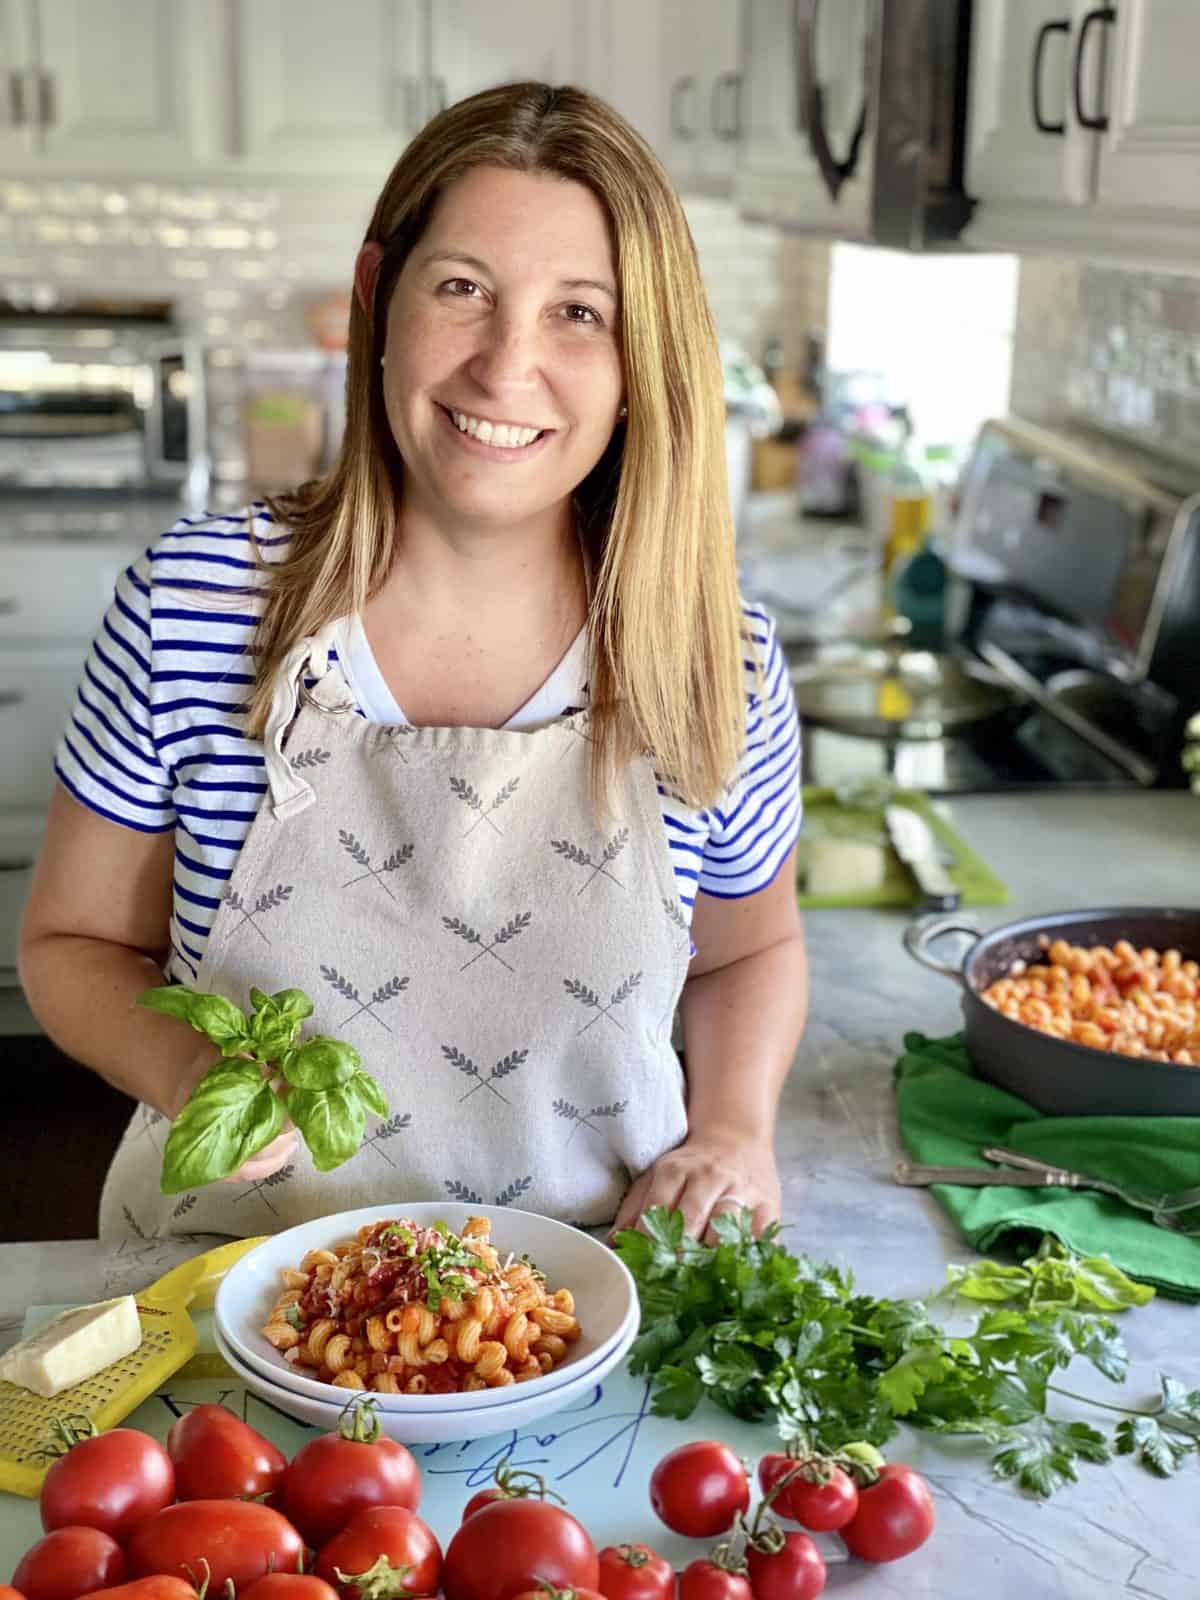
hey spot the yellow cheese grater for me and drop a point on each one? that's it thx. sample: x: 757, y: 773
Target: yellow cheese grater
x: 168, y: 1341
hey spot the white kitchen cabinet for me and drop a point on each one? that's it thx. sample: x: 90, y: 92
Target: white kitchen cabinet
x: 1151, y: 149
x: 1121, y: 181
x: 779, y: 175
x: 327, y: 89
x: 476, y: 44
x: 57, y: 591
x: 119, y: 86
x: 17, y: 82
x: 701, y: 118
x: 36, y: 691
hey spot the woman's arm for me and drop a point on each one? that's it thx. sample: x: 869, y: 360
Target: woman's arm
x: 743, y: 1010
x: 94, y: 937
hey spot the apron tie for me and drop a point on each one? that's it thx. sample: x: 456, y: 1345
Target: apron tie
x: 291, y: 793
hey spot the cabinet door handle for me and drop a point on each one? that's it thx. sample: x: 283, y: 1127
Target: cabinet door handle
x: 16, y: 99
x: 727, y: 92
x: 680, y: 88
x: 1101, y: 14
x: 437, y: 87
x: 9, y: 605
x: 47, y: 100
x: 1039, y: 50
x: 11, y: 697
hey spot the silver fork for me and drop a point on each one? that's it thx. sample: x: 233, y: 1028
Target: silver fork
x: 1161, y: 1206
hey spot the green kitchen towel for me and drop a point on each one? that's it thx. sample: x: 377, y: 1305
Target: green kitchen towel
x: 948, y: 1116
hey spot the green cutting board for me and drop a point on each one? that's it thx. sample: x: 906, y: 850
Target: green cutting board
x: 826, y: 817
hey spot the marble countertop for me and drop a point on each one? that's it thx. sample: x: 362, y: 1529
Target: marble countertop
x: 1118, y: 1531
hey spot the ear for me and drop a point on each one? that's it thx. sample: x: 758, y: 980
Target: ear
x: 366, y: 276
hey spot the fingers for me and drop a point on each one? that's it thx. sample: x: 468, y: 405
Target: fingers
x: 268, y: 1160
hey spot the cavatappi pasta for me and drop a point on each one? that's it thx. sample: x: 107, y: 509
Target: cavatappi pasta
x: 1131, y: 1002
x: 407, y: 1309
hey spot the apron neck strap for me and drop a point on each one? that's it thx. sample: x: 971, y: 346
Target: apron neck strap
x: 290, y: 792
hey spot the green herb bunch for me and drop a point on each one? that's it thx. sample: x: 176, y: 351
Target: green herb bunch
x: 767, y: 1334
x: 265, y: 1073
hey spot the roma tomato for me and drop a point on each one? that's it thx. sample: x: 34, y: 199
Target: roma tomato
x: 158, y: 1587
x: 68, y: 1563
x: 698, y: 1488
x: 111, y: 1481
x: 239, y: 1540
x: 390, y: 1548
x: 288, y: 1586
x: 704, y: 1580
x: 332, y: 1477
x: 822, y: 1506
x: 217, y: 1456
x: 793, y: 1572
x: 510, y: 1546
x: 635, y: 1572
x: 894, y: 1518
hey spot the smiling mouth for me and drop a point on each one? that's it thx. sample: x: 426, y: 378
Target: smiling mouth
x: 500, y: 435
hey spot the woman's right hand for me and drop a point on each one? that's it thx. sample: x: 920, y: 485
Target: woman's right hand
x: 269, y: 1160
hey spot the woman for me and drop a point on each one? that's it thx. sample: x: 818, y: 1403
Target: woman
x: 462, y: 738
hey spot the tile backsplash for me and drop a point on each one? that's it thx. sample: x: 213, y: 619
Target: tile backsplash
x: 240, y: 264
x: 1112, y: 347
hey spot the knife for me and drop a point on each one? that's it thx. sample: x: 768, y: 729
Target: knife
x: 913, y: 841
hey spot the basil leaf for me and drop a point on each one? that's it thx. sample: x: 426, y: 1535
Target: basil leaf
x: 219, y: 1018
x: 331, y: 1122
x: 293, y: 1003
x: 231, y: 1114
x: 273, y: 1032
x: 258, y: 998
x: 322, y: 1063
x: 369, y: 1093
x: 171, y: 1000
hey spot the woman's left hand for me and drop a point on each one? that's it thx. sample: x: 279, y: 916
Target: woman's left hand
x: 703, y: 1175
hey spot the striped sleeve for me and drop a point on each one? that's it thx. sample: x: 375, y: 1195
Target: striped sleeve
x: 758, y: 818
x: 107, y: 756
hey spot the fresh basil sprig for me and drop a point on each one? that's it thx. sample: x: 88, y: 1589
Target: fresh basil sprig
x: 265, y: 1073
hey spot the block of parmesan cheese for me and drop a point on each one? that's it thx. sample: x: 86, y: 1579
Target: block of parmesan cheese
x: 844, y: 867
x: 73, y: 1346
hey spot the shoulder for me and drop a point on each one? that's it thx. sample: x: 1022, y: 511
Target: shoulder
x: 215, y: 552
x: 763, y: 665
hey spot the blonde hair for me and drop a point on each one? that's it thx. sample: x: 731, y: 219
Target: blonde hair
x: 665, y: 619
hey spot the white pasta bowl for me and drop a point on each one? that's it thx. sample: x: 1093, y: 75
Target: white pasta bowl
x: 605, y: 1299
x: 520, y: 1403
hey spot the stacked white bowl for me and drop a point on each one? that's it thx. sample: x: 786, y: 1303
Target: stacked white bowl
x: 606, y: 1305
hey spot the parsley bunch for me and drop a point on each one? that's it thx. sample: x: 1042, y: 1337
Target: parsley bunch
x: 768, y: 1334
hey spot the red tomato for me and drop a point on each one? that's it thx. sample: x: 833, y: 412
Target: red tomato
x: 217, y: 1456
x: 288, y: 1586
x: 796, y: 1572
x: 704, y: 1580
x: 111, y: 1481
x: 389, y: 1542
x: 507, y: 1547
x: 698, y: 1488
x: 547, y: 1591
x: 821, y: 1507
x: 485, y: 1497
x: 239, y: 1541
x: 894, y: 1517
x: 68, y: 1563
x: 157, y: 1587
x: 7, y: 1592
x: 332, y: 1477
x: 635, y: 1572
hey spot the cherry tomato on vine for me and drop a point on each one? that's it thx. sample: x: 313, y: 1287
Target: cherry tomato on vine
x: 217, y: 1456
x: 238, y: 1539
x: 635, y: 1572
x: 389, y: 1548
x: 111, y: 1481
x: 704, y: 1580
x: 511, y: 1546
x: 70, y: 1562
x: 822, y: 1506
x: 697, y: 1489
x: 332, y: 1477
x: 895, y: 1516
x: 794, y: 1571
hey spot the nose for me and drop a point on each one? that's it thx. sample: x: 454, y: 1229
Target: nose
x: 507, y: 356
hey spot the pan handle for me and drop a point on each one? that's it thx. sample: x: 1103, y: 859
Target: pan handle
x: 918, y: 936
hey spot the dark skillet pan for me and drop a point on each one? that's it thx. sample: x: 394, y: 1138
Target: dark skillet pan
x: 1055, y: 1075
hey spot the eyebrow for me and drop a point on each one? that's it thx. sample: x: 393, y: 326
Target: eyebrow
x: 466, y: 260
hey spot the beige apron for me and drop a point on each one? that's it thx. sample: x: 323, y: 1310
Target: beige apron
x: 508, y: 968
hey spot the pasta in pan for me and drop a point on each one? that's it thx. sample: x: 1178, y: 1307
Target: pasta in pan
x: 406, y: 1309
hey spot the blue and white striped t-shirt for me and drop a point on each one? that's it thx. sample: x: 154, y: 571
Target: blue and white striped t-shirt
x: 156, y: 740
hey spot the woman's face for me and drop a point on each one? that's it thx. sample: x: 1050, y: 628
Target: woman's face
x: 502, y: 370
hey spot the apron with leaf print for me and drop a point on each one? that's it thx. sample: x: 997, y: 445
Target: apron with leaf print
x: 507, y: 967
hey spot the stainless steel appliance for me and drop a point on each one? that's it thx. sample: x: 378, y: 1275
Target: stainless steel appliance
x: 880, y: 99
x: 1074, y: 585
x: 108, y: 399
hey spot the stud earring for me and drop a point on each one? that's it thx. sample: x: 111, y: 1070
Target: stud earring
x: 383, y: 361
x: 624, y: 411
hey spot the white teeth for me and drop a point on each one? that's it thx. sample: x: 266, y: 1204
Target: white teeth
x: 505, y: 435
